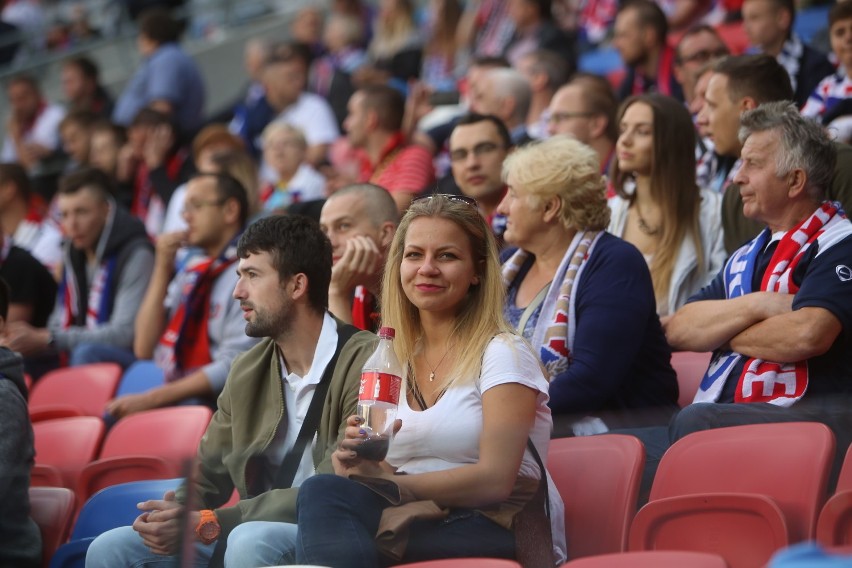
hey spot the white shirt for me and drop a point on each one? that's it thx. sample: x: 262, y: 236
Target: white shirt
x: 447, y: 435
x: 45, y: 132
x: 313, y: 116
x: 42, y: 240
x: 298, y: 393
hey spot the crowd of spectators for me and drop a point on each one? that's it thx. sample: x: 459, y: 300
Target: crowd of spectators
x: 629, y: 209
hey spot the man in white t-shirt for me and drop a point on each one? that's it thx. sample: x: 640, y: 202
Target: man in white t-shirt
x: 32, y: 129
x: 284, y: 77
x: 23, y: 216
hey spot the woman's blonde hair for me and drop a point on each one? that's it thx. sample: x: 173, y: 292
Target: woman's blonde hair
x: 480, y: 316
x: 394, y: 31
x: 673, y: 186
x: 565, y: 168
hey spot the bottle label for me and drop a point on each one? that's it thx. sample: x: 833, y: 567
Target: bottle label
x: 380, y: 387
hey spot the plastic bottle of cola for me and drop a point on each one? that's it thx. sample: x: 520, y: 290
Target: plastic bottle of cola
x: 378, y: 397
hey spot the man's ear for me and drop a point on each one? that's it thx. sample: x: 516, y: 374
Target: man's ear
x: 599, y: 125
x: 232, y: 211
x: 386, y: 233
x: 796, y: 182
x: 297, y: 287
x: 748, y: 103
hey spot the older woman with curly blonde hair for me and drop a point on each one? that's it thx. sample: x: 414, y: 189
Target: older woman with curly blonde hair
x: 581, y: 296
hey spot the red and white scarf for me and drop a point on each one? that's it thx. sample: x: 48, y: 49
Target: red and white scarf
x: 185, y: 345
x: 781, y: 384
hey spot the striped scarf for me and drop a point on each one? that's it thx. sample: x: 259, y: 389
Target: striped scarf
x: 185, y: 345
x: 781, y: 384
x: 97, y: 302
x: 555, y: 334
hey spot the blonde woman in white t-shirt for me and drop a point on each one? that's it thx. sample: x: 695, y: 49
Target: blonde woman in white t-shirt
x: 475, y: 395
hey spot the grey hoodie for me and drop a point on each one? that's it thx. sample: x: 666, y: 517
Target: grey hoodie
x: 20, y: 539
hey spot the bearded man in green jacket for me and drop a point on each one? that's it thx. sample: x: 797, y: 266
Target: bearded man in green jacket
x: 265, y: 438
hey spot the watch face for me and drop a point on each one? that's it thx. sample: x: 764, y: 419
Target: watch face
x: 209, y: 531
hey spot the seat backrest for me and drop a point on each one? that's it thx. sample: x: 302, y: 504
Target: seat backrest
x: 788, y: 463
x: 68, y: 444
x: 650, y: 559
x: 140, y: 377
x: 87, y: 388
x: 170, y: 433
x: 844, y: 481
x: 115, y: 506
x: 463, y: 563
x: 598, y: 478
x: 52, y: 509
x: 690, y: 367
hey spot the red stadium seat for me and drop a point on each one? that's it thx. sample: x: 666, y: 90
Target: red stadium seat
x: 148, y: 445
x: 690, y: 368
x: 598, y: 478
x: 74, y: 391
x: 63, y: 448
x: 741, y: 492
x: 651, y: 559
x: 463, y: 563
x: 52, y: 509
x: 834, y: 527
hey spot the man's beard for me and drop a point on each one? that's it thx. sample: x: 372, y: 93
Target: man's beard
x: 267, y: 324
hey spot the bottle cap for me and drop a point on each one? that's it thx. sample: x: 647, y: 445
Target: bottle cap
x: 387, y: 332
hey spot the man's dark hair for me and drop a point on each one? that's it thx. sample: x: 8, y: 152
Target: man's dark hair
x: 90, y: 178
x: 489, y: 61
x: 4, y: 299
x: 158, y: 25
x: 287, y: 51
x: 87, y: 67
x: 150, y: 117
x: 83, y: 118
x: 759, y: 76
x: 840, y: 11
x: 229, y: 187
x: 789, y: 6
x: 475, y: 118
x: 599, y: 99
x: 25, y: 79
x: 694, y: 31
x: 649, y: 14
x: 296, y: 245
x: 387, y: 103
x: 15, y: 173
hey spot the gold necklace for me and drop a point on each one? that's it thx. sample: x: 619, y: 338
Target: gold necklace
x: 643, y: 226
x: 435, y: 368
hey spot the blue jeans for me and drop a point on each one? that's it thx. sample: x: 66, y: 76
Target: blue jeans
x: 261, y: 543
x: 338, y: 520
x: 124, y: 548
x: 86, y: 353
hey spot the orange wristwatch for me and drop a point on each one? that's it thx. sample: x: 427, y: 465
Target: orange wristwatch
x: 208, y: 528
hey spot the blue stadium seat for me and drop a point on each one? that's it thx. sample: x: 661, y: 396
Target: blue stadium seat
x: 107, y: 509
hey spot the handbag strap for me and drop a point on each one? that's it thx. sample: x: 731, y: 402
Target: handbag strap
x: 543, y: 480
x: 290, y: 464
x: 531, y: 307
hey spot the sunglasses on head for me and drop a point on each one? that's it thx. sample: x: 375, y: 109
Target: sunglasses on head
x: 448, y: 196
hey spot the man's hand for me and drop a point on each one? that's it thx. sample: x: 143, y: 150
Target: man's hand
x: 160, y: 524
x: 167, y: 247
x: 130, y: 404
x: 360, y: 263
x: 26, y: 339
